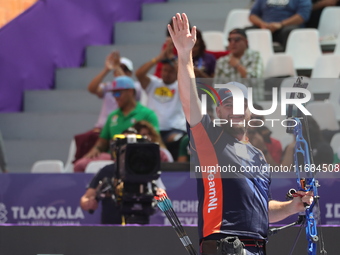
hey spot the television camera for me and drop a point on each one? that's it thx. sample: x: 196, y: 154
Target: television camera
x: 133, y: 187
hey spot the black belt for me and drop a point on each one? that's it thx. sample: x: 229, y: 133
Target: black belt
x: 210, y: 246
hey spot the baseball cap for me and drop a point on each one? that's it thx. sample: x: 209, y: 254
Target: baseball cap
x: 127, y: 62
x: 122, y: 82
x: 239, y: 31
x: 225, y: 93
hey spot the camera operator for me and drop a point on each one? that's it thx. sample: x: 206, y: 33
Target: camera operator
x: 89, y: 201
x: 110, y: 210
x: 103, y: 187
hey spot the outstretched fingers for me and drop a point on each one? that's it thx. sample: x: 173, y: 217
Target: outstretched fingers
x: 171, y: 32
x: 185, y: 22
x: 186, y: 27
x: 180, y: 22
x: 193, y: 32
x: 176, y: 20
x: 174, y: 29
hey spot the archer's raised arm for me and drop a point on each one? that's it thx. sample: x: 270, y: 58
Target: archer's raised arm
x: 184, y: 40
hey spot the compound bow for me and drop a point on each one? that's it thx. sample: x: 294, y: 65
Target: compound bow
x: 306, y: 180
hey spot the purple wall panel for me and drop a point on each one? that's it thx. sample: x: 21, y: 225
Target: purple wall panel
x: 53, y: 199
x: 53, y: 34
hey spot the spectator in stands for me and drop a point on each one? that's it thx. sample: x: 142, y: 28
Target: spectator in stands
x: 280, y: 17
x: 318, y: 6
x: 144, y: 128
x: 260, y: 137
x: 170, y: 52
x: 207, y: 64
x: 204, y: 63
x: 184, y: 150
x: 242, y: 62
x: 163, y: 96
x: 118, y: 66
x: 128, y: 113
x: 3, y: 164
x: 322, y: 151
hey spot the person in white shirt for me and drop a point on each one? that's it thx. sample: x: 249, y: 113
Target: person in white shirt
x: 163, y: 95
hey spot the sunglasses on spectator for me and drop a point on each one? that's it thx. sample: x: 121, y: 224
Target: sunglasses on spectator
x: 235, y: 39
x: 117, y: 93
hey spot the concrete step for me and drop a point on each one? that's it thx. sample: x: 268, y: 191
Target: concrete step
x: 52, y: 101
x: 16, y: 126
x: 198, y: 10
x: 21, y: 154
x: 78, y: 78
x: 138, y: 53
x: 155, y: 32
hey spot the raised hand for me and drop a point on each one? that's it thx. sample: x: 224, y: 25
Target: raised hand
x: 112, y: 60
x: 116, y: 58
x: 183, y: 39
x: 167, y: 52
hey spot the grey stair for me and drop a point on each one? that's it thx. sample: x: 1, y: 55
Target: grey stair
x: 16, y: 126
x: 199, y: 10
x: 139, y: 54
x: 78, y: 78
x: 21, y: 154
x: 140, y: 33
x: 155, y: 32
x: 61, y: 101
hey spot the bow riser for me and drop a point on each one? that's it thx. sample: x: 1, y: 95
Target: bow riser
x: 310, y: 184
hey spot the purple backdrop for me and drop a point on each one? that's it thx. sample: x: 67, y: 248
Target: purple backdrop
x: 53, y: 34
x: 53, y: 199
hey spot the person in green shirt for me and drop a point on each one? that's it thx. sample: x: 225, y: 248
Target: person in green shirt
x: 184, y: 151
x: 128, y: 113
